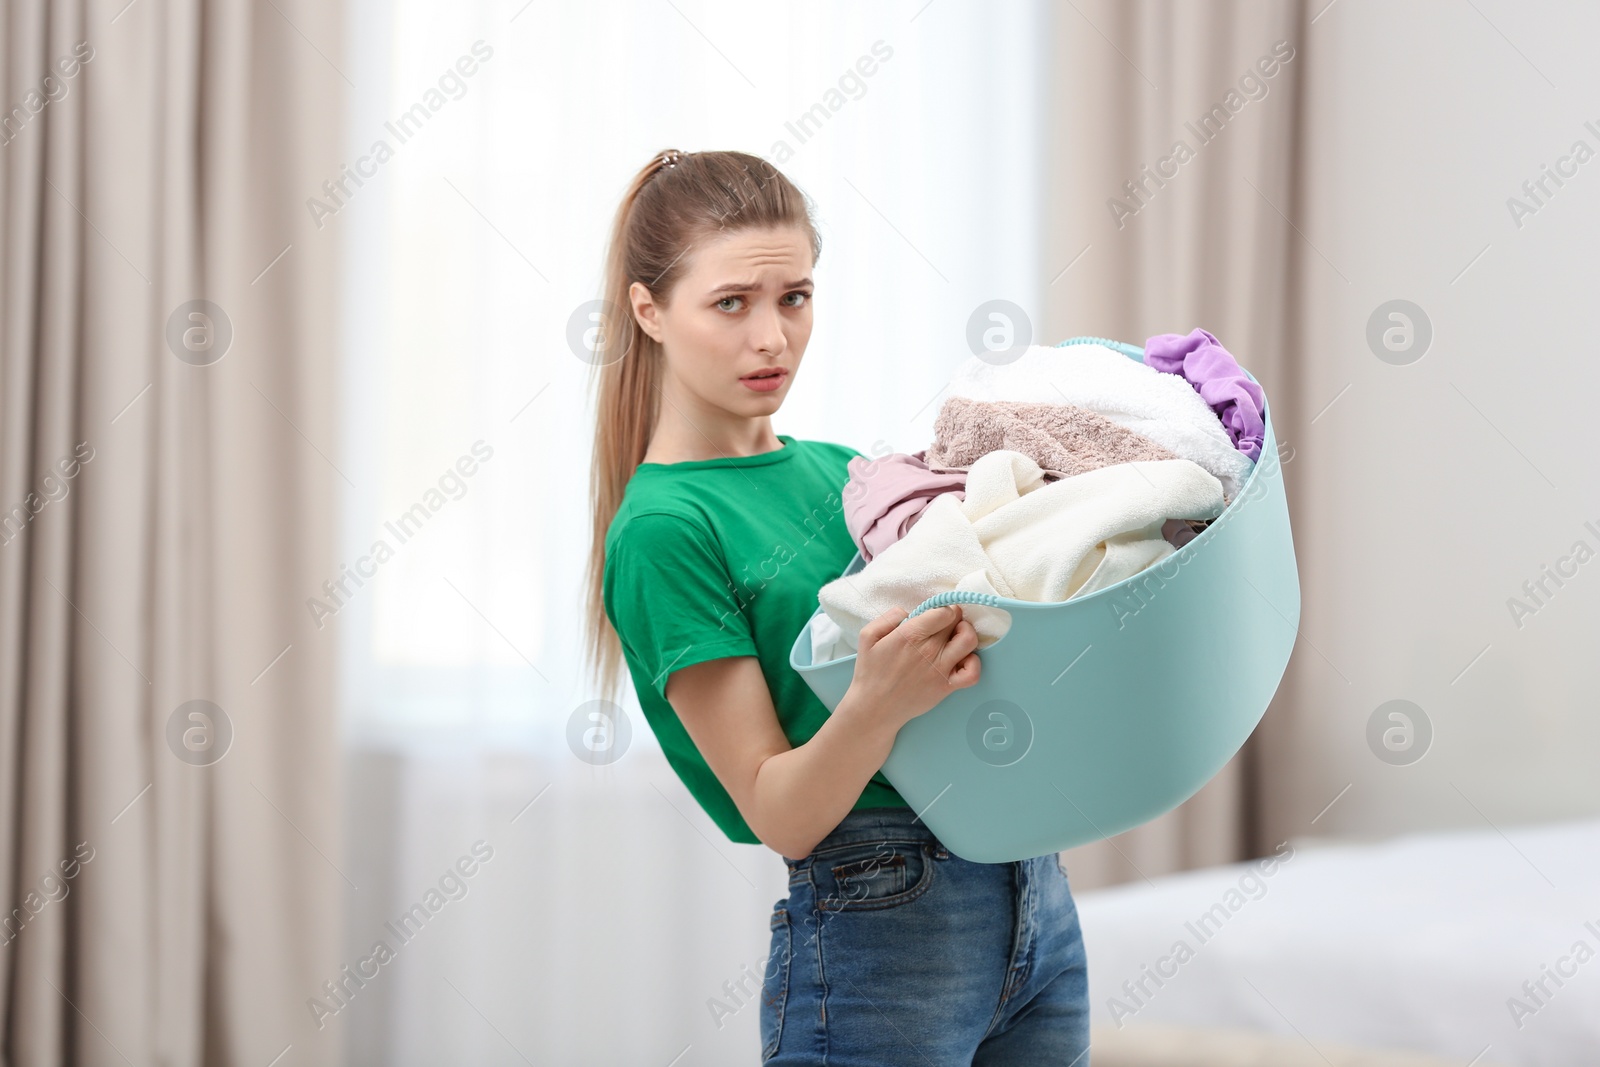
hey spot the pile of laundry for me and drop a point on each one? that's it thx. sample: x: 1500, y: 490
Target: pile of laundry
x: 1050, y: 476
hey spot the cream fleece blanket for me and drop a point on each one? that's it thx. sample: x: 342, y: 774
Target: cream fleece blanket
x: 1163, y: 407
x: 1021, y: 536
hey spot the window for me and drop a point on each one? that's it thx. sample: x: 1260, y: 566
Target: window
x: 509, y: 133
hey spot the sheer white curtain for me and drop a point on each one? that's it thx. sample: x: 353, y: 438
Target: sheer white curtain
x: 613, y: 922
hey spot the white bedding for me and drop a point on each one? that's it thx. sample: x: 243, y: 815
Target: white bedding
x: 1420, y: 943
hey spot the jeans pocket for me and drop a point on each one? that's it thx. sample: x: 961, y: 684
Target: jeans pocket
x: 775, y: 984
x: 873, y: 875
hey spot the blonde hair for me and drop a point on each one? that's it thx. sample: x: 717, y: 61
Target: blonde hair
x: 677, y: 200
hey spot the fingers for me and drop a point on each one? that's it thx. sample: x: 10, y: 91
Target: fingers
x: 945, y: 641
x: 875, y: 629
x: 934, y: 621
x: 963, y: 640
x: 967, y: 673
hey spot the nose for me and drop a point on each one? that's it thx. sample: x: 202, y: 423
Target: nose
x: 766, y: 332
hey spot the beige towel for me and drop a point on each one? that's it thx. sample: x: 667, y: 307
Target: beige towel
x: 1062, y: 439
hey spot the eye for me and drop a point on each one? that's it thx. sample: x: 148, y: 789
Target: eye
x: 724, y: 300
x: 804, y: 296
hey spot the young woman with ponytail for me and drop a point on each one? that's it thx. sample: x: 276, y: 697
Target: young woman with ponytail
x: 712, y: 534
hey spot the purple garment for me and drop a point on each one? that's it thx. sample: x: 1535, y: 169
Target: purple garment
x: 1216, y: 376
x: 886, y: 496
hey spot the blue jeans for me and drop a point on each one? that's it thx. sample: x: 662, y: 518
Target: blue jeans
x: 891, y: 950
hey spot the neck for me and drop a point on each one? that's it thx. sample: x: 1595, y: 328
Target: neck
x: 686, y: 431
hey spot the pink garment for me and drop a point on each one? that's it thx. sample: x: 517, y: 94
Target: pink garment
x: 886, y: 496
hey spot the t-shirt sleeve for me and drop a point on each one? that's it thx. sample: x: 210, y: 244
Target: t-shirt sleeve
x: 670, y: 597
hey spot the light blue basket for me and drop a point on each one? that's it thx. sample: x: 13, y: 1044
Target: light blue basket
x: 1097, y: 714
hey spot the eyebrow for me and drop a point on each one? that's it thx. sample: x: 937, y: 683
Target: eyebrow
x: 750, y: 287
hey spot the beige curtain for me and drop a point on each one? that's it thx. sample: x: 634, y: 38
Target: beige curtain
x: 1205, y: 239
x: 166, y: 519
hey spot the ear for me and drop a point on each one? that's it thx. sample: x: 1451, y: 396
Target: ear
x: 645, y: 311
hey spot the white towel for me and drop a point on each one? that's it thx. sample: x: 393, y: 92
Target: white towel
x: 825, y: 643
x: 1163, y: 407
x: 1022, y: 537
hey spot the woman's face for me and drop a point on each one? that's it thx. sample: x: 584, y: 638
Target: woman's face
x: 741, y: 310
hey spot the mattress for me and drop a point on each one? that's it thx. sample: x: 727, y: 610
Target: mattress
x: 1456, y: 944
x: 1155, y: 1045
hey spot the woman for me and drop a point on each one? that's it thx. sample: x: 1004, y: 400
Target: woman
x: 712, y: 535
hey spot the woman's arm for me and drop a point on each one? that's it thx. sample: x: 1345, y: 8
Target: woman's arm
x: 793, y: 797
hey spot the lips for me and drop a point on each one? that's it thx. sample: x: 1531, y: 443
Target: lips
x: 767, y: 380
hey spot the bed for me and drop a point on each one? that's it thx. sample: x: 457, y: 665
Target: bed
x: 1467, y: 946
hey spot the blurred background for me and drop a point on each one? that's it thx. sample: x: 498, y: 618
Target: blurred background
x: 272, y: 268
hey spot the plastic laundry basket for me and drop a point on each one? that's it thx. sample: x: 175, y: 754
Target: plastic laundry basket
x: 1094, y: 715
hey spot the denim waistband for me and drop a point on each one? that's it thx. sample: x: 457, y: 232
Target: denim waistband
x: 879, y: 824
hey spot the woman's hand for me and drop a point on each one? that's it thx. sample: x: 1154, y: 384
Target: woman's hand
x: 905, y: 666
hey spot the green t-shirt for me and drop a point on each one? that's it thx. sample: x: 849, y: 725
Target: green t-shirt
x: 724, y: 557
